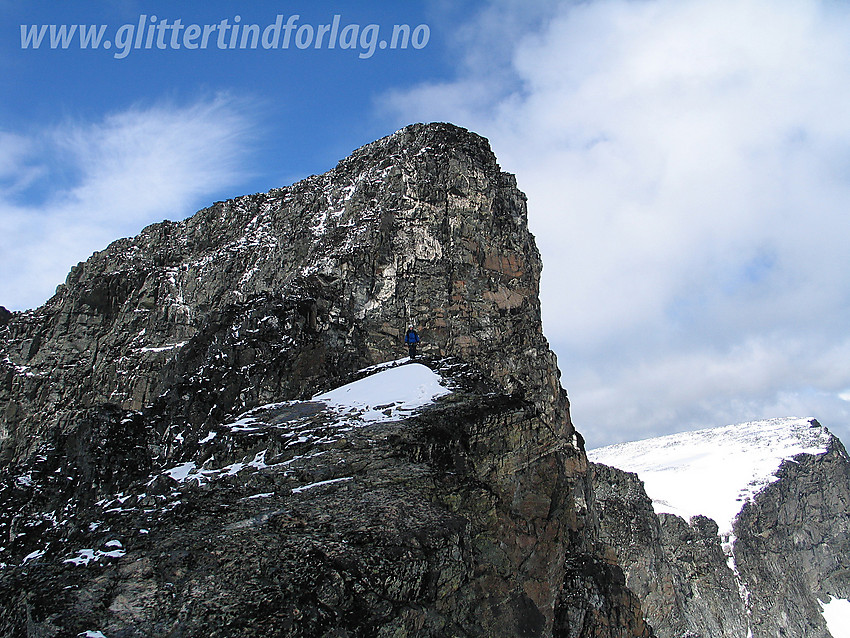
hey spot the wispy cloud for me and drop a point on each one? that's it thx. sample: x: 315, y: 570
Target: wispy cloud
x: 688, y: 170
x: 70, y: 189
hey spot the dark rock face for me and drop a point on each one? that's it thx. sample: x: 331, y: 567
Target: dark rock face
x: 420, y: 227
x: 136, y: 501
x: 678, y: 571
x: 790, y: 548
x: 793, y: 545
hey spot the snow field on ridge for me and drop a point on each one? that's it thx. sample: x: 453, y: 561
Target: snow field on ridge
x: 715, y: 471
x: 388, y: 394
x: 836, y: 613
x: 394, y: 391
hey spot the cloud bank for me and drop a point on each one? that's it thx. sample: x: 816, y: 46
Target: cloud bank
x: 687, y: 164
x: 70, y: 189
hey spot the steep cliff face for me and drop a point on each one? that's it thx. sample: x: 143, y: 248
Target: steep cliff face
x: 419, y: 227
x: 782, y: 541
x: 792, y: 544
x: 677, y: 570
x: 171, y: 466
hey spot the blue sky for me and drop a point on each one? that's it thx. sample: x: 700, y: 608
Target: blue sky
x: 687, y: 164
x: 307, y: 106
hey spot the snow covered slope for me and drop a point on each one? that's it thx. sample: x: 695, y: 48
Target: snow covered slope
x: 714, y: 472
x: 836, y: 612
x: 391, y: 393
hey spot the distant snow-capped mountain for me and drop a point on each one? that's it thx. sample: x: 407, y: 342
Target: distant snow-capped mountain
x: 716, y: 471
x: 742, y: 530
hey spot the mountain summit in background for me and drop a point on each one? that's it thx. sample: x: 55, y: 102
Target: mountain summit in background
x: 768, y: 542
x: 210, y: 431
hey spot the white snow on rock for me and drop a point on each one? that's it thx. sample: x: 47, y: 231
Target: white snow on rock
x: 304, y: 488
x: 386, y: 395
x: 181, y: 472
x: 83, y: 557
x: 394, y: 391
x: 33, y: 556
x: 86, y: 556
x: 836, y: 613
x: 262, y: 495
x: 714, y: 472
x: 164, y: 348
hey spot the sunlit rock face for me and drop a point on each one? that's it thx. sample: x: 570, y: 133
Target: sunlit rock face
x: 182, y: 453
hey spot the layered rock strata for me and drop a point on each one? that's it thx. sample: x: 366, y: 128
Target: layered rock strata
x: 136, y: 501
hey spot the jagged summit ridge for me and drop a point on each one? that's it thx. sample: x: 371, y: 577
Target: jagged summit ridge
x: 766, y: 533
x: 420, y: 227
x: 182, y: 453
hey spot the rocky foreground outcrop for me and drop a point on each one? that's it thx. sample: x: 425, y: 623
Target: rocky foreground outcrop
x: 166, y: 473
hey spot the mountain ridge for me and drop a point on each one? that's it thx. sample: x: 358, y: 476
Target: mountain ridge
x: 471, y: 517
x: 767, y: 503
x: 179, y: 455
x: 677, y: 467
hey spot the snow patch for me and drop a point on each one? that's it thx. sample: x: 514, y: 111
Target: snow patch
x: 181, y: 472
x: 310, y: 486
x: 394, y: 391
x: 86, y: 556
x: 259, y: 461
x: 83, y: 557
x: 165, y: 348
x: 388, y: 395
x: 836, y: 613
x: 245, y: 424
x: 186, y: 472
x: 714, y: 472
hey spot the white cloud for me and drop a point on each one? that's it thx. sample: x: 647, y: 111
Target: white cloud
x: 70, y: 189
x: 687, y: 164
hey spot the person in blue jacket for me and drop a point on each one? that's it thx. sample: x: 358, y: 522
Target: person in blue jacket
x: 411, y: 339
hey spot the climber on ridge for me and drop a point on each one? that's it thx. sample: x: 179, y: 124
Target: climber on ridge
x: 411, y: 338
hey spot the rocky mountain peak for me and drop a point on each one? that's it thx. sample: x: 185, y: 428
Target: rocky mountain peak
x: 212, y: 430
x: 764, y: 542
x: 177, y: 460
x: 299, y: 287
